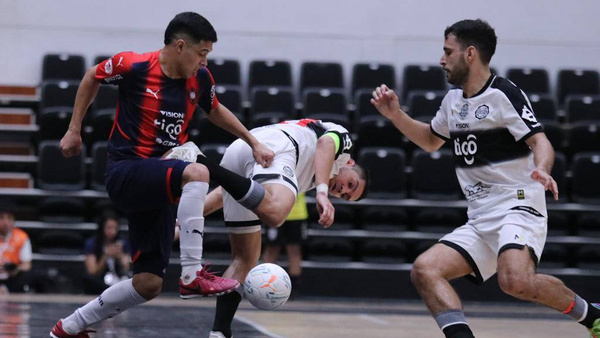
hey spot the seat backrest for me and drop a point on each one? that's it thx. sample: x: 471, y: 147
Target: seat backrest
x: 582, y: 108
x: 225, y: 71
x: 585, y: 187
x: 55, y: 172
x: 99, y: 159
x: 269, y: 73
x: 230, y: 97
x: 433, y: 176
x: 63, y: 67
x: 544, y: 107
x: 273, y: 99
x: 367, y: 76
x: 423, y: 77
x: 324, y: 101
x: 575, y: 81
x: 321, y: 75
x: 424, y: 103
x: 386, y: 168
x: 58, y: 94
x: 530, y: 80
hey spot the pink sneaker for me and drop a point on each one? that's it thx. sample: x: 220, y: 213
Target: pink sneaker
x: 207, y: 284
x: 58, y: 332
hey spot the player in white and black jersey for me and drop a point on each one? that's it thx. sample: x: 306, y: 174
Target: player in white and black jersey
x: 503, y: 164
x: 308, y: 154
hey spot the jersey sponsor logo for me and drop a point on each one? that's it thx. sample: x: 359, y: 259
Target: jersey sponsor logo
x: 527, y: 114
x: 482, y: 111
x: 176, y: 115
x: 466, y: 149
x: 108, y: 68
x: 172, y: 129
x: 113, y: 78
x: 464, y: 111
x: 462, y: 126
x: 166, y: 143
x: 212, y: 95
x: 521, y: 194
x: 154, y: 93
x: 477, y: 191
x: 347, y: 142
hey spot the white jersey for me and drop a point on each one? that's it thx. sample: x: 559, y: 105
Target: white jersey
x: 305, y: 133
x: 493, y: 162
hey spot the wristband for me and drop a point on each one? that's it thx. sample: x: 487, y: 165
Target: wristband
x: 323, y: 187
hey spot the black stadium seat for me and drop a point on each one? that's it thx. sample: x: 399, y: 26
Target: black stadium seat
x: 55, y: 172
x: 578, y: 82
x: 367, y: 76
x: 530, y: 80
x: 423, y: 77
x: 386, y: 168
x: 225, y: 71
x: 321, y: 75
x: 269, y: 73
x: 63, y: 67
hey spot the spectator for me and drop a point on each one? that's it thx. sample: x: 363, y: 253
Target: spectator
x: 106, y: 256
x: 15, y: 252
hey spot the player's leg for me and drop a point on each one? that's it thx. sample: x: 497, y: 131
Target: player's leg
x: 431, y: 274
x: 245, y: 251
x: 518, y: 278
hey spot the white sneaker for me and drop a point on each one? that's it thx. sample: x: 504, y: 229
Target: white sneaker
x: 216, y: 334
x: 186, y: 152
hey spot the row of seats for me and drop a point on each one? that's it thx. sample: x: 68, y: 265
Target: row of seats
x: 278, y: 73
x: 432, y: 176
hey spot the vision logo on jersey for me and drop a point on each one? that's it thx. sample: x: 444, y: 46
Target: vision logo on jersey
x: 466, y: 149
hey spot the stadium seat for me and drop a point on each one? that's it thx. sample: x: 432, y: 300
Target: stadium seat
x: 544, y: 107
x: 383, y: 251
x: 582, y: 108
x: 424, y: 103
x: 99, y: 159
x: 584, y: 136
x: 206, y: 132
x: 55, y: 172
x: 54, y: 122
x: 271, y: 105
x: 225, y: 71
x: 423, y: 77
x: 383, y: 218
x: 321, y: 75
x: 63, y: 67
x: 231, y: 97
x: 330, y: 249
x: 555, y: 255
x: 377, y: 131
x: 386, y: 168
x: 100, y: 125
x: 269, y: 73
x: 583, y: 82
x: 588, y: 224
x: 585, y: 187
x: 60, y: 242
x: 327, y: 105
x: 367, y: 76
x: 364, y: 108
x: 58, y: 94
x: 61, y: 210
x: 530, y: 80
x: 106, y: 98
x: 433, y: 176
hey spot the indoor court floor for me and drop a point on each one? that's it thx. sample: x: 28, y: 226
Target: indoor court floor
x: 168, y: 316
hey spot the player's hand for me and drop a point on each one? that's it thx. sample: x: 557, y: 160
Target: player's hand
x: 325, y: 209
x: 546, y: 180
x: 263, y: 155
x: 70, y: 145
x: 386, y: 101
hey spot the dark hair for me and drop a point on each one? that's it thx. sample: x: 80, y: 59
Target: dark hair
x: 192, y: 26
x: 364, y: 174
x: 477, y: 33
x: 100, y: 238
x: 7, y: 206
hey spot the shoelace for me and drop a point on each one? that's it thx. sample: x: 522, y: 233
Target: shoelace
x: 206, y: 273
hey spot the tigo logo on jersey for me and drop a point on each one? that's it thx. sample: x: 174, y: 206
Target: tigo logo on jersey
x: 466, y: 149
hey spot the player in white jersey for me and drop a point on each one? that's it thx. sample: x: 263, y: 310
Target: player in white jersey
x: 503, y: 164
x: 308, y: 154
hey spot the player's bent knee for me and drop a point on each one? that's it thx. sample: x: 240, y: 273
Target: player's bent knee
x: 196, y: 172
x: 517, y: 286
x: 147, y: 285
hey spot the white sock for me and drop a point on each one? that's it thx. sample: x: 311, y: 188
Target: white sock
x: 110, y: 303
x: 190, y: 216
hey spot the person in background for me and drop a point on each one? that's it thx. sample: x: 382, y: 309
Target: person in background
x: 15, y: 252
x: 291, y: 235
x: 107, y: 256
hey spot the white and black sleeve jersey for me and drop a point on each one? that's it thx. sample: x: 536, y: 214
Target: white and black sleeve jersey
x: 488, y: 133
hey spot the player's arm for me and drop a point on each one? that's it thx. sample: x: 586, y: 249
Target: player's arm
x: 543, y: 157
x: 323, y: 163
x: 70, y: 144
x: 224, y: 118
x: 388, y: 105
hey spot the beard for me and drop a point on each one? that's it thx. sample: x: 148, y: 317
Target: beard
x: 459, y: 74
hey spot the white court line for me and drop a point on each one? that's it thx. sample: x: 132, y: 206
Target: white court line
x: 258, y: 327
x: 374, y: 319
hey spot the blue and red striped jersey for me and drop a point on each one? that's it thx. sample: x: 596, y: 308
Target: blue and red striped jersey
x: 153, y: 111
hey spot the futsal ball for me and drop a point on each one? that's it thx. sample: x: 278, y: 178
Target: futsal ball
x: 267, y: 286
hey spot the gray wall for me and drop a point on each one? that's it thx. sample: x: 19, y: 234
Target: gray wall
x: 551, y: 34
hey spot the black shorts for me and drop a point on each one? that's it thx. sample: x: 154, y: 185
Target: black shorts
x: 291, y: 232
x: 147, y: 190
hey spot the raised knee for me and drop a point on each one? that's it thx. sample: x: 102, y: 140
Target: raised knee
x: 196, y: 172
x: 273, y: 220
x: 421, y: 270
x: 148, y: 289
x: 516, y: 286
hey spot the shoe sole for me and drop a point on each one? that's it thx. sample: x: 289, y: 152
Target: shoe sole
x: 198, y: 295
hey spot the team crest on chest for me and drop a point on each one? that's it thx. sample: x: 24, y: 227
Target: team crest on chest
x: 464, y: 111
x: 192, y: 96
x: 482, y: 111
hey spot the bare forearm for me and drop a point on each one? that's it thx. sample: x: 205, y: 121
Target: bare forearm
x: 88, y: 88
x: 323, y: 160
x: 416, y: 131
x: 543, y: 156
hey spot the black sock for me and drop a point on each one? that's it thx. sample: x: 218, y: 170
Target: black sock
x: 593, y: 313
x: 235, y: 184
x: 458, y: 331
x: 226, y: 307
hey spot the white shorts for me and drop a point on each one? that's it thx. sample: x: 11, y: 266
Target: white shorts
x: 480, y: 242
x: 238, y: 158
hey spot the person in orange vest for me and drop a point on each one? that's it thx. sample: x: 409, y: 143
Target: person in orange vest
x: 15, y: 252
